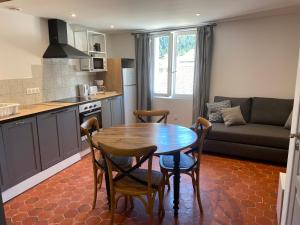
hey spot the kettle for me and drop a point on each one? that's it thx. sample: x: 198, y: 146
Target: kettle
x: 83, y: 90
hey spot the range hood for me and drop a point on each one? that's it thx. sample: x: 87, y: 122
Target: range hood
x: 58, y: 39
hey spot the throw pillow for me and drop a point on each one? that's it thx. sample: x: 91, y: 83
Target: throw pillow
x: 233, y: 116
x: 288, y: 122
x: 213, y: 110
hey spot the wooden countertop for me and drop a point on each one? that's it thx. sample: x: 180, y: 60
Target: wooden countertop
x: 30, y: 110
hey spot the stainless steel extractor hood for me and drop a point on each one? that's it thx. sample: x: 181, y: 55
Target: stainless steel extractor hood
x: 58, y: 38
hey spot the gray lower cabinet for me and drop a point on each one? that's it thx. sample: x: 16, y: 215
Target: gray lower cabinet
x: 49, y: 139
x: 59, y: 135
x: 69, y: 131
x: 106, y: 113
x: 112, y: 111
x: 4, y: 184
x: 2, y: 215
x: 117, y: 112
x: 21, y: 149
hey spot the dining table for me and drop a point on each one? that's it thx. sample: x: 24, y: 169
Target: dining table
x: 170, y: 139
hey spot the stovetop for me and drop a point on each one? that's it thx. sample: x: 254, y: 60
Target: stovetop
x: 74, y: 99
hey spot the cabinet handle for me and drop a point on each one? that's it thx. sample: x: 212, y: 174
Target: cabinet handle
x: 20, y: 122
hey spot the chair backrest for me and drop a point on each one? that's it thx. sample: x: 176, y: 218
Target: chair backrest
x: 86, y: 129
x: 145, y: 154
x: 204, y: 126
x: 142, y: 114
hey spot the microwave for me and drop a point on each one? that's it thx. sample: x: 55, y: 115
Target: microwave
x: 94, y: 64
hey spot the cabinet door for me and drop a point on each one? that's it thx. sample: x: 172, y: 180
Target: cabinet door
x: 117, y: 112
x: 106, y: 113
x: 2, y: 215
x: 3, y: 166
x: 69, y: 131
x: 49, y: 139
x: 21, y: 148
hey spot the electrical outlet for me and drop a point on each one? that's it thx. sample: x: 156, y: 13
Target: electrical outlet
x: 31, y: 91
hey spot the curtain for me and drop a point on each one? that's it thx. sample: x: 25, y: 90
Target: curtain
x: 203, y: 60
x: 144, y: 87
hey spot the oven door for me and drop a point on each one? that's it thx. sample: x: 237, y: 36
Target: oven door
x: 95, y: 113
x: 98, y: 63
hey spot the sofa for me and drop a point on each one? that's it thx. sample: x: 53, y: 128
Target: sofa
x: 262, y: 138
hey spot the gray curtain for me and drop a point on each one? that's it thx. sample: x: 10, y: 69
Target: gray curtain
x: 203, y: 60
x: 144, y: 87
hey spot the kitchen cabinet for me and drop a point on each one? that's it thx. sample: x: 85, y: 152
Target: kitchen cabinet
x: 117, y: 111
x: 112, y: 111
x: 3, y: 166
x: 59, y: 135
x: 106, y: 113
x: 2, y: 215
x: 69, y: 131
x: 50, y: 150
x: 21, y: 148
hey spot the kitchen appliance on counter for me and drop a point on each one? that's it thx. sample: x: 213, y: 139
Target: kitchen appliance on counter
x: 83, y: 90
x: 100, y: 85
x: 93, y: 90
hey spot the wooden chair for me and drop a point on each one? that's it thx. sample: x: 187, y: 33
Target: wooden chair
x: 141, y: 114
x: 134, y: 182
x: 189, y: 161
x: 99, y: 166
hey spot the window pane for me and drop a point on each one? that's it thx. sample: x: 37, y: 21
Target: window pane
x: 185, y: 60
x: 161, y: 64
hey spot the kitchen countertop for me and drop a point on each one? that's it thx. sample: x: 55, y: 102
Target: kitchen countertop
x: 34, y: 109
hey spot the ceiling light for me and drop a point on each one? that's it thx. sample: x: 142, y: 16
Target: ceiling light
x: 112, y: 26
x: 197, y: 14
x: 73, y: 15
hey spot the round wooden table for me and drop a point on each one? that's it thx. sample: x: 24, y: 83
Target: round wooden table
x: 170, y: 139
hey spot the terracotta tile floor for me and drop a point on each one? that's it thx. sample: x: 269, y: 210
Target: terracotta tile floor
x: 233, y: 192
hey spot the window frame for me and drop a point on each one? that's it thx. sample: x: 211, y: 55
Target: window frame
x: 172, y: 54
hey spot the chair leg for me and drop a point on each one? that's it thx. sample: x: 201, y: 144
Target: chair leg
x: 166, y: 178
x: 198, y: 191
x: 150, y: 209
x: 112, y: 208
x: 131, y: 202
x: 100, y: 179
x: 194, y: 180
x: 161, y: 200
x: 95, y: 188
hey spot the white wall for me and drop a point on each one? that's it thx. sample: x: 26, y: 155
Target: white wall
x: 256, y: 57
x: 23, y: 40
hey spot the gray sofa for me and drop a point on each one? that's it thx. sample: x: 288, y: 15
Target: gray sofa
x: 262, y: 138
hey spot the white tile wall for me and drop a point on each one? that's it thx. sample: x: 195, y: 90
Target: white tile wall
x: 56, y: 78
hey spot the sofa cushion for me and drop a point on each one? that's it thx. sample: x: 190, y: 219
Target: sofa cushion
x: 213, y: 110
x: 252, y: 134
x: 270, y: 111
x: 244, y: 103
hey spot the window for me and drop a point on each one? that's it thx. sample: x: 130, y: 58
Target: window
x: 174, y: 60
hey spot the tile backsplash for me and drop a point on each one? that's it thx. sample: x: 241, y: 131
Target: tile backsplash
x: 56, y: 79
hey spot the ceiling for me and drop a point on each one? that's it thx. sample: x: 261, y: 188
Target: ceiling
x: 145, y: 14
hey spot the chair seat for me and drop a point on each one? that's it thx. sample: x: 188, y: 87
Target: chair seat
x: 129, y: 185
x: 123, y: 162
x: 186, y: 162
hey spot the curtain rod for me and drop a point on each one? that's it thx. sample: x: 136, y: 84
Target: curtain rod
x: 171, y: 29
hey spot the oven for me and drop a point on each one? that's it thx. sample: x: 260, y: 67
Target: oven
x: 91, y: 109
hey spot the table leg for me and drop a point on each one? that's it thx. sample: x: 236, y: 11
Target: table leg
x: 176, y: 182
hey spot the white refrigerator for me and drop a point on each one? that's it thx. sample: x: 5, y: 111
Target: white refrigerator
x: 129, y: 90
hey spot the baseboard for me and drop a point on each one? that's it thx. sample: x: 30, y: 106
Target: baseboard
x: 38, y: 178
